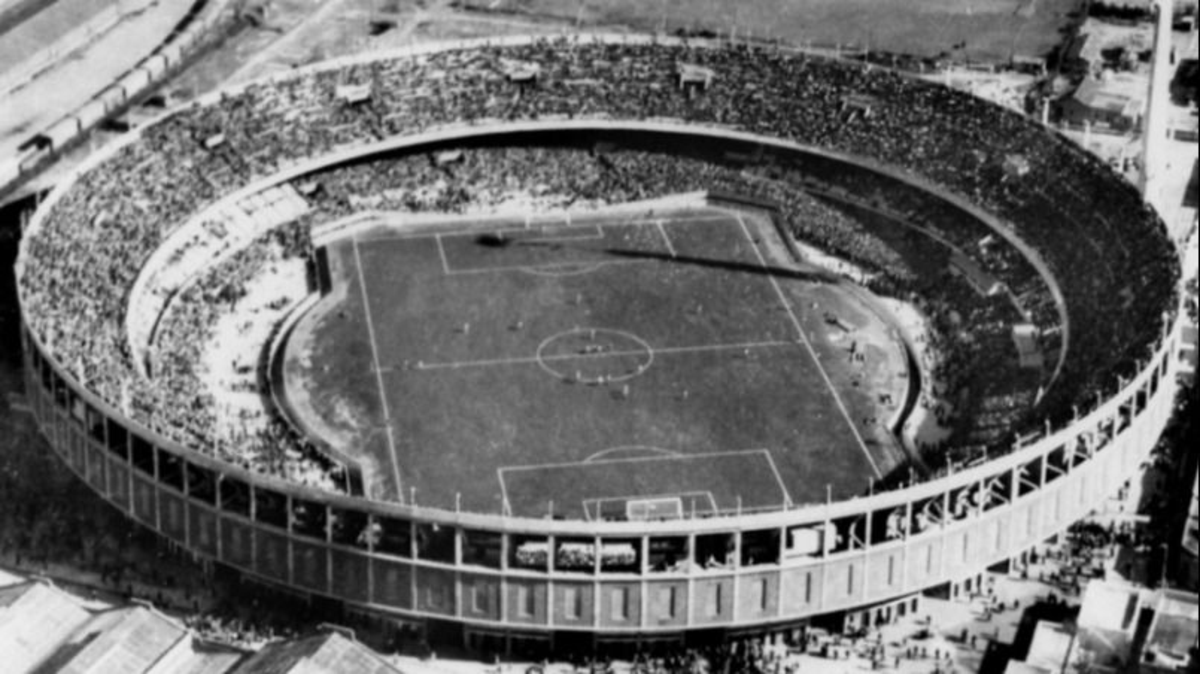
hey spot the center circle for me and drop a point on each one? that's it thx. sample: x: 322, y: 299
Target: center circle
x: 595, y: 356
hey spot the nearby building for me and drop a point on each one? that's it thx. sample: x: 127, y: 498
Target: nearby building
x: 329, y: 653
x: 1111, y: 635
x: 45, y: 629
x: 1114, y: 103
x: 1190, y: 562
x: 1171, y: 644
x: 1107, y: 622
x: 1050, y: 650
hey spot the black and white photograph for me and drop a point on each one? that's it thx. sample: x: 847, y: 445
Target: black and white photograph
x: 599, y: 336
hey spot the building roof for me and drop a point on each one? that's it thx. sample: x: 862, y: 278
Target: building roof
x: 329, y: 653
x: 1117, y: 94
x: 1051, y: 646
x: 208, y: 658
x: 1107, y: 620
x: 1018, y: 667
x: 1109, y: 606
x: 1175, y: 629
x: 7, y: 579
x: 126, y: 640
x: 35, y: 617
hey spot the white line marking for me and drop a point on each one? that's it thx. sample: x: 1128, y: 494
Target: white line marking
x: 681, y: 495
x: 467, y: 227
x: 387, y: 414
x: 556, y: 233
x: 787, y: 496
x: 666, y: 239
x: 441, y: 254
x: 548, y: 268
x: 608, y: 354
x: 662, y: 496
x: 505, y: 506
x: 657, y: 451
x: 811, y: 351
x: 636, y: 459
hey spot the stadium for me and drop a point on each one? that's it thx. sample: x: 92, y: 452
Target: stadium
x: 536, y: 343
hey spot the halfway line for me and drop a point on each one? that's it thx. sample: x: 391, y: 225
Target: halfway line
x: 580, y: 356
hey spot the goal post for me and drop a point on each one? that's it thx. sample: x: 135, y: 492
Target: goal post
x: 668, y: 508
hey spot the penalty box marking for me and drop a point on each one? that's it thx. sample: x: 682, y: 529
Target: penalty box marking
x: 385, y: 232
x: 586, y: 463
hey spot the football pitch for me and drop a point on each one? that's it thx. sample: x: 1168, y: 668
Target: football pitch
x: 607, y: 366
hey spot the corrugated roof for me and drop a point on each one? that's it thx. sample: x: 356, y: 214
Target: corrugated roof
x: 121, y: 641
x: 1176, y: 627
x: 1050, y: 647
x: 34, y: 619
x: 1017, y: 667
x: 209, y: 658
x: 1109, y: 606
x: 329, y: 653
x: 7, y: 579
x: 1119, y: 93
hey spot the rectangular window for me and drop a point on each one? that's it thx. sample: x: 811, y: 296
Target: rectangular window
x: 433, y: 597
x: 713, y: 606
x: 572, y: 603
x: 620, y: 604
x: 850, y: 580
x: 891, y: 570
x: 929, y: 559
x: 763, y: 599
x: 524, y: 602
x: 966, y: 550
x: 236, y: 551
x: 479, y: 597
x: 666, y: 599
x: 808, y: 588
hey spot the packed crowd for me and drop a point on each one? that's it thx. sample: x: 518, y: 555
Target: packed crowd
x: 253, y: 436
x: 1090, y: 226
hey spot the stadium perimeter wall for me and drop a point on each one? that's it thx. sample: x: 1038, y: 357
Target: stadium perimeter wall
x: 1103, y: 449
x: 1050, y: 483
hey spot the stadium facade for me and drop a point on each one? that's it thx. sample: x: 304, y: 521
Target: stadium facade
x: 499, y: 578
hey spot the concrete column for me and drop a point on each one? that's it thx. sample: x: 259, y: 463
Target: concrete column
x: 1154, y: 153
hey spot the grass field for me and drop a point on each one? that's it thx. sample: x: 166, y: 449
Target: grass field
x: 991, y: 29
x: 542, y: 369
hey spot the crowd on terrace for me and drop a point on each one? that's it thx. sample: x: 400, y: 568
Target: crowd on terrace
x: 1111, y: 251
